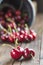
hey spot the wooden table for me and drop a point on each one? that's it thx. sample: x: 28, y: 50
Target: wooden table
x: 5, y: 58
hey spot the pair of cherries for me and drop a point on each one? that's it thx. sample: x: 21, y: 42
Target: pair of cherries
x: 21, y: 36
x: 20, y: 52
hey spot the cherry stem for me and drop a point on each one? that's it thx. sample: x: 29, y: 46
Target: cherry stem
x: 8, y: 45
x: 26, y: 25
x: 32, y: 57
x: 16, y: 42
x: 9, y: 29
x: 9, y: 19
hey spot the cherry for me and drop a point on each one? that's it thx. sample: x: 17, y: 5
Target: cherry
x: 26, y: 53
x: 22, y: 21
x: 18, y: 29
x: 17, y: 34
x: 16, y: 54
x: 26, y: 38
x: 5, y: 25
x: 6, y: 36
x: 33, y: 34
x: 18, y: 18
x: 26, y: 35
x: 13, y: 32
x: 2, y: 32
x: 26, y: 17
x: 32, y: 52
x: 9, y: 14
x: 20, y: 49
x: 18, y: 12
x: 10, y: 39
x: 6, y: 16
x: 30, y: 37
x: 22, y: 32
x: 3, y: 38
x: 11, y: 25
x: 21, y: 38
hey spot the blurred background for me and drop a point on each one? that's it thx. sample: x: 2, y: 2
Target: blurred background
x: 39, y: 5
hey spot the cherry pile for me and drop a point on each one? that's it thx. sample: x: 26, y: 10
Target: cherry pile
x: 10, y: 17
x: 14, y: 22
x: 20, y: 52
x: 21, y: 35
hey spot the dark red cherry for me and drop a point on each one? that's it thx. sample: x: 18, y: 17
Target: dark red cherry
x: 5, y: 25
x: 32, y: 32
x: 18, y: 28
x: 18, y: 18
x: 21, y: 38
x: 13, y: 32
x: 26, y: 17
x: 6, y: 37
x: 17, y: 34
x: 32, y: 52
x: 9, y: 14
x: 22, y: 21
x: 10, y: 39
x: 18, y: 12
x: 22, y: 32
x: 20, y: 49
x: 26, y: 35
x: 2, y: 32
x: 11, y: 25
x: 26, y: 53
x: 3, y: 38
x: 16, y: 54
x: 30, y: 37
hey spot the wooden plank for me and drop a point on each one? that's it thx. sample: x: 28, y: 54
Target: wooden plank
x: 41, y: 62
x: 5, y: 54
x: 36, y: 46
x: 19, y: 63
x: 41, y: 57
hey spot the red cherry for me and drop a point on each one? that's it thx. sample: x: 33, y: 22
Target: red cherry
x: 16, y: 54
x: 22, y: 32
x: 6, y: 16
x: 26, y: 53
x: 26, y: 17
x: 32, y: 52
x: 18, y: 18
x: 17, y: 34
x: 2, y: 32
x: 30, y: 37
x: 26, y: 35
x: 3, y: 38
x: 9, y: 14
x: 5, y: 25
x: 6, y: 37
x: 18, y: 29
x: 22, y: 22
x: 21, y: 38
x: 10, y: 39
x: 11, y: 25
x: 20, y: 49
x: 18, y: 12
x: 13, y: 32
x: 33, y: 34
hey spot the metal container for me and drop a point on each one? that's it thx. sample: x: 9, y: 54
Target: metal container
x: 23, y: 5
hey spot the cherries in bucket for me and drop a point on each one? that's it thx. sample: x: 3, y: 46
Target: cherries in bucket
x: 15, y: 26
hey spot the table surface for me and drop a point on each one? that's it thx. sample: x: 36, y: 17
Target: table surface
x: 36, y: 45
